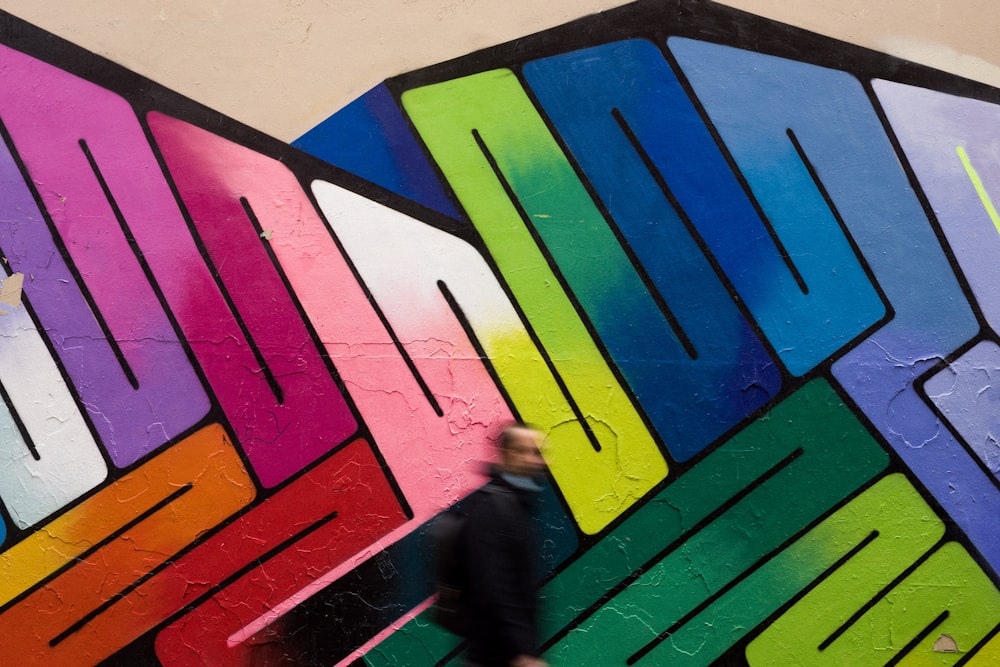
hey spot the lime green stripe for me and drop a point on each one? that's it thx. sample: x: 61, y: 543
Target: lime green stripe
x: 598, y: 486
x: 977, y: 183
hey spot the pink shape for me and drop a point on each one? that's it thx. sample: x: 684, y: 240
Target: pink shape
x: 271, y: 382
x: 308, y: 526
x: 386, y: 632
x: 434, y: 460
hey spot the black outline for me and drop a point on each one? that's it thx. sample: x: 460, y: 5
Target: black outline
x: 694, y: 18
x: 945, y: 363
x: 971, y: 652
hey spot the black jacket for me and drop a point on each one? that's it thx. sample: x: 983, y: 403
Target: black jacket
x: 502, y: 594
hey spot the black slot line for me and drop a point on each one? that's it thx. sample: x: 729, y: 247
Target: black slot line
x: 114, y: 599
x: 681, y: 539
x: 272, y: 382
x: 594, y: 442
x: 19, y: 423
x: 856, y: 616
x: 912, y: 644
x: 647, y: 161
x: 735, y: 170
x: 85, y: 290
x: 400, y: 349
x: 684, y: 620
x: 119, y: 532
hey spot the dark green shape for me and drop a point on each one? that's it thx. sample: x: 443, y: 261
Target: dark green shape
x: 765, y: 484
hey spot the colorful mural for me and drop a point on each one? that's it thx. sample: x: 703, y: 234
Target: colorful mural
x: 740, y: 275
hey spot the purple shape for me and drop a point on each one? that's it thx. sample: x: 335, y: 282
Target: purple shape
x: 931, y: 128
x: 137, y: 384
x: 950, y: 143
x: 932, y: 319
x: 831, y: 118
x: 967, y: 392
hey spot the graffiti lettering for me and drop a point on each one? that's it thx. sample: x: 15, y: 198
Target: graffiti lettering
x: 240, y: 383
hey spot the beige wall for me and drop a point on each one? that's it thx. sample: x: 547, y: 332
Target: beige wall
x: 283, y: 66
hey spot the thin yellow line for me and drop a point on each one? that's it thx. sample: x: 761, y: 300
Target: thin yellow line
x: 977, y: 183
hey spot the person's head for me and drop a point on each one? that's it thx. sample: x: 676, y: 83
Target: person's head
x: 519, y: 450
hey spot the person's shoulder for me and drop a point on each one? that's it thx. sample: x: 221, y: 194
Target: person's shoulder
x: 497, y: 485
x: 492, y: 497
x: 500, y: 491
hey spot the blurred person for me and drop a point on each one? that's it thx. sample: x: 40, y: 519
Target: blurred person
x: 501, y: 555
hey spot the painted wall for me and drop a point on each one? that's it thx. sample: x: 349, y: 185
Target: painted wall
x: 742, y: 275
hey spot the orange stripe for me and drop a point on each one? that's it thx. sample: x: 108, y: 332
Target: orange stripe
x: 185, y: 491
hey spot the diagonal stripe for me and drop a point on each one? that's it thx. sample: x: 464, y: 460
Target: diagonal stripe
x: 977, y: 183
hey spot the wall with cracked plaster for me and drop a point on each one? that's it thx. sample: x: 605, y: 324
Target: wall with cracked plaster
x: 741, y: 275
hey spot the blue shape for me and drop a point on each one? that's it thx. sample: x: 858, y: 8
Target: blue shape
x: 691, y: 400
x: 834, y: 120
x: 369, y: 137
x: 805, y: 327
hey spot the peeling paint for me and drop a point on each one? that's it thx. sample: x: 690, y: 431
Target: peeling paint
x: 10, y: 290
x: 945, y: 644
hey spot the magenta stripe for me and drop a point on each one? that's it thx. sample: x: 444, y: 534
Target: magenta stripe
x: 288, y: 411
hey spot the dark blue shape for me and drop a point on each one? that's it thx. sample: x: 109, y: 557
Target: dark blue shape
x: 795, y: 269
x: 369, y: 137
x: 692, y: 399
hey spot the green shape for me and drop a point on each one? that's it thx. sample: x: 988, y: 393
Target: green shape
x: 949, y: 580
x: 837, y: 457
x: 418, y: 642
x: 899, y: 528
x: 444, y: 115
x: 494, y: 103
